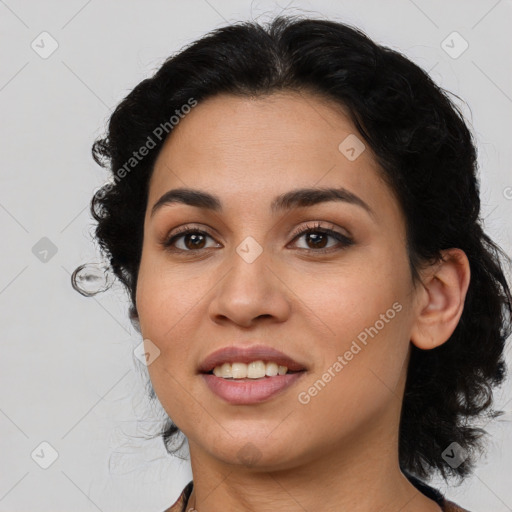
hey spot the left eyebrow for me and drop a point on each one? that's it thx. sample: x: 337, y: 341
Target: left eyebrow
x: 298, y: 198
x: 304, y: 197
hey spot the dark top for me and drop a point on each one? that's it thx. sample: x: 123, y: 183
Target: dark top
x: 430, y: 492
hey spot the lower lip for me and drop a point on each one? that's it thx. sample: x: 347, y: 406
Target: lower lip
x: 249, y: 391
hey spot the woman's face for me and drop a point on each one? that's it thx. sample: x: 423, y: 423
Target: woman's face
x: 342, y: 310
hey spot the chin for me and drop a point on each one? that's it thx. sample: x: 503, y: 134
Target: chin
x: 256, y: 451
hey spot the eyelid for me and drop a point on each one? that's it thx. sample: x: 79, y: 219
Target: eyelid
x: 317, y: 225
x: 345, y: 240
x: 168, y: 240
x: 188, y: 227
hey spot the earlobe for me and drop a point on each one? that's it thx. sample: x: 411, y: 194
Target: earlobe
x: 442, y: 303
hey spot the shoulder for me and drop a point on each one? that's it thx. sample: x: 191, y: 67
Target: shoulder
x: 449, y: 506
x: 180, y: 504
x: 434, y: 494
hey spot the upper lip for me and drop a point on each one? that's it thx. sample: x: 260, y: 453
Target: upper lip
x: 247, y: 355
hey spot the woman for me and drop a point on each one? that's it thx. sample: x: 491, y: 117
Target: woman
x: 294, y: 211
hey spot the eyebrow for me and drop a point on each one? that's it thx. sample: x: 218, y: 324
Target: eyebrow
x: 298, y: 198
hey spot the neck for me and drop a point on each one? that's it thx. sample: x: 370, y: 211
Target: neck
x: 360, y: 475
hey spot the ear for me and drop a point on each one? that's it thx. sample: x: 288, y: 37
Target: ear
x: 440, y: 300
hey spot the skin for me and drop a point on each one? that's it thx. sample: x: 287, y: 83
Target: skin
x: 340, y: 450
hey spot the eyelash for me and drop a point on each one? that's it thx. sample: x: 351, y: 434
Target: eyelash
x: 344, y: 240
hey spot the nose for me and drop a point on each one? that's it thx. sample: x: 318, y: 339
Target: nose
x: 250, y: 290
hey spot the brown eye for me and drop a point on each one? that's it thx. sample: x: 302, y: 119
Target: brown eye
x: 319, y: 240
x: 316, y: 238
x: 187, y: 240
x: 193, y: 241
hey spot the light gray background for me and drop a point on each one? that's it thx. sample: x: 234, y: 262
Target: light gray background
x: 68, y: 372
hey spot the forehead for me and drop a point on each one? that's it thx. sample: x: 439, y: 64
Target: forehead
x: 278, y: 130
x: 245, y: 149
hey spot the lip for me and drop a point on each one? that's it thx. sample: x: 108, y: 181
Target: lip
x: 249, y: 391
x: 246, y: 355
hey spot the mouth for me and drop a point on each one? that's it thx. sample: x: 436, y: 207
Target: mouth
x: 288, y: 372
x: 254, y: 361
x: 249, y: 375
x: 249, y: 390
x: 255, y: 370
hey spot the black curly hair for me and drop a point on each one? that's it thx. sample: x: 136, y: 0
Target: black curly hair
x: 426, y: 154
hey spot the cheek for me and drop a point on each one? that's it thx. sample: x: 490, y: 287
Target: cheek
x: 163, y: 296
x: 346, y: 298
x: 169, y: 304
x: 361, y: 376
x: 364, y: 351
x: 162, y: 315
x: 164, y: 321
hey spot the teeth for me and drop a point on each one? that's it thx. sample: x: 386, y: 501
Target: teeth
x: 254, y: 370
